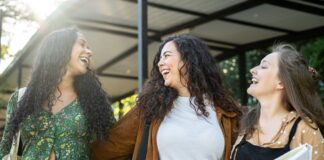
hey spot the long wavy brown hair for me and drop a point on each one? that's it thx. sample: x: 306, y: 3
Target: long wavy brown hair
x: 51, y: 65
x: 300, y: 93
x: 204, y: 80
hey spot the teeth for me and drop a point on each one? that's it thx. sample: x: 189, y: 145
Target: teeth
x: 164, y: 72
x: 84, y: 60
x: 254, y: 81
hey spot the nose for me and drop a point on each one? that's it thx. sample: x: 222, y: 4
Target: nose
x: 160, y: 63
x: 253, y: 70
x: 88, y: 51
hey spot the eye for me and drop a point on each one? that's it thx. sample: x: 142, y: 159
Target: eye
x: 263, y: 67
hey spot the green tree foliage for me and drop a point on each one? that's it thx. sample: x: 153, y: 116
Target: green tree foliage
x: 4, y: 51
x: 230, y: 71
x: 123, y: 106
x: 15, y: 9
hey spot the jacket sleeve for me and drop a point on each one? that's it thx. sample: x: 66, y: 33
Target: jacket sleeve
x: 120, y: 139
x: 5, y: 144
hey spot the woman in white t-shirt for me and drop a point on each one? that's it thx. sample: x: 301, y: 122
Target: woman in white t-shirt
x: 191, y: 114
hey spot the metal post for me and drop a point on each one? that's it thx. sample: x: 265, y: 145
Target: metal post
x: 242, y: 77
x: 142, y: 43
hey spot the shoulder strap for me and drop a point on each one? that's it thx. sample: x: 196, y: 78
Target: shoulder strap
x: 293, y: 130
x: 21, y: 92
x: 143, y: 146
x: 16, y: 149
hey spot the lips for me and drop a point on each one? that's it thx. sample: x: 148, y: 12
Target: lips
x: 85, y: 60
x: 164, y: 72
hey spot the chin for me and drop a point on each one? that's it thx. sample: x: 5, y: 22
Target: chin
x: 250, y: 91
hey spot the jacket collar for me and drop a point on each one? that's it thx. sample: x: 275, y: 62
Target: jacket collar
x: 220, y: 112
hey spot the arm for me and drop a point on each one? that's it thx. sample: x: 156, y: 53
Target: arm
x: 120, y: 139
x: 5, y: 144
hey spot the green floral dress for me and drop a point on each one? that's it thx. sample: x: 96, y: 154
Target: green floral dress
x: 64, y: 132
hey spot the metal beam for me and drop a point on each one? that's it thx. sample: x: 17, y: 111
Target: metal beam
x: 218, y: 42
x: 216, y: 15
x: 122, y: 33
x: 118, y: 76
x: 303, y: 35
x: 112, y: 24
x: 219, y: 48
x: 219, y: 14
x: 317, y: 2
x: 256, y: 25
x: 297, y: 7
x: 117, y: 59
x: 170, y: 8
x: 194, y: 13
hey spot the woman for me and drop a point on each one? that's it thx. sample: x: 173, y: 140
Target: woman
x: 289, y: 110
x: 191, y: 114
x: 64, y: 106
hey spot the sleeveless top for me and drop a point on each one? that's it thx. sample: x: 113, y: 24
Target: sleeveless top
x: 247, y: 151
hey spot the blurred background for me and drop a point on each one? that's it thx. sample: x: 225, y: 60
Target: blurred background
x: 238, y: 32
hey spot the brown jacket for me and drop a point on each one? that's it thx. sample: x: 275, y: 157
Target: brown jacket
x: 123, y: 140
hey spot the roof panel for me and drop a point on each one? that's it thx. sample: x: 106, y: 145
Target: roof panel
x: 159, y: 19
x: 114, y: 88
x: 201, y: 6
x: 128, y: 66
x: 233, y: 33
x: 280, y: 17
x: 107, y: 46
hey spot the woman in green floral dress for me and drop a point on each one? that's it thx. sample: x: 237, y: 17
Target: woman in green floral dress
x: 64, y: 107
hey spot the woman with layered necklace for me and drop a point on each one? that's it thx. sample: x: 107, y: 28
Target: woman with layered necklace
x: 289, y: 112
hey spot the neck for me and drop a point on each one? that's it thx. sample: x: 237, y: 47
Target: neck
x: 183, y: 92
x: 272, y: 107
x: 66, y: 83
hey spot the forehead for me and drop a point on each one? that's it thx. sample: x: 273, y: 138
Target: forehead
x: 169, y: 46
x: 271, y: 58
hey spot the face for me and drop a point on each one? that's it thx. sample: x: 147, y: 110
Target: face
x: 80, y: 57
x: 265, y: 80
x: 169, y: 66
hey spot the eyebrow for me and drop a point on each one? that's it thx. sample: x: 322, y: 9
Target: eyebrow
x: 165, y: 53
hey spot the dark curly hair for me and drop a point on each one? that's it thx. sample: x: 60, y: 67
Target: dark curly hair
x: 203, y: 81
x: 50, y: 66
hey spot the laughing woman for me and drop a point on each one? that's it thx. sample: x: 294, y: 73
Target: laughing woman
x: 63, y: 107
x: 289, y: 112
x: 192, y: 115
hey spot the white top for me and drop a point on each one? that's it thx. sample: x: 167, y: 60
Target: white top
x: 183, y: 135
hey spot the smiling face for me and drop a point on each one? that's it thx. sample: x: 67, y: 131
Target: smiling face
x: 170, y: 65
x: 265, y: 80
x: 80, y: 57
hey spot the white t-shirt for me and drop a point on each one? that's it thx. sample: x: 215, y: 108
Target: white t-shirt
x: 183, y: 135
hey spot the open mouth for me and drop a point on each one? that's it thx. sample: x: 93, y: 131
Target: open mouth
x: 85, y: 60
x: 165, y: 72
x: 254, y: 81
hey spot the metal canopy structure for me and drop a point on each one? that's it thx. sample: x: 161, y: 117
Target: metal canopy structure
x: 229, y: 28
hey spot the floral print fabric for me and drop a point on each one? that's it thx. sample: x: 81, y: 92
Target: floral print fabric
x: 64, y: 132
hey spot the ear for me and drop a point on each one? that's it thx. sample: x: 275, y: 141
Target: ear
x: 280, y: 85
